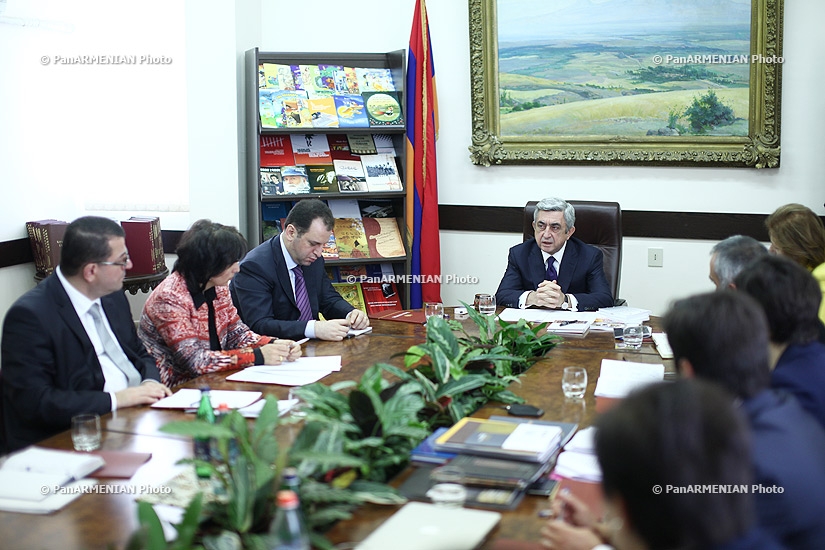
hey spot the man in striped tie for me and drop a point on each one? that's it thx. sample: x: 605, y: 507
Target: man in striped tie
x: 282, y: 285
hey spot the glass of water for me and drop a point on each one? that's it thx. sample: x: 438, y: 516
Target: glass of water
x: 433, y: 309
x: 486, y: 304
x: 633, y: 336
x: 448, y: 487
x: 86, y: 432
x: 574, y: 382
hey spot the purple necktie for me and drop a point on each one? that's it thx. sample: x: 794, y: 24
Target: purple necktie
x: 301, y: 295
x: 551, y: 270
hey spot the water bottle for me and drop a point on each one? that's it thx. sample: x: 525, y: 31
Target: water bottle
x: 288, y: 530
x: 290, y: 480
x: 202, y: 445
x: 233, y: 450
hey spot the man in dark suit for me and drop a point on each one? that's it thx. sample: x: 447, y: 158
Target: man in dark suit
x: 722, y: 337
x: 60, y: 355
x: 555, y: 269
x: 282, y: 284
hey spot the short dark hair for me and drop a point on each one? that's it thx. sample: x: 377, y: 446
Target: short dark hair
x: 305, y: 212
x: 724, y: 335
x: 682, y: 434
x: 206, y: 249
x: 798, y: 233
x: 730, y: 256
x: 87, y: 241
x: 789, y: 295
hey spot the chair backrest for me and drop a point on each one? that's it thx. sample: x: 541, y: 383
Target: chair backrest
x: 598, y: 224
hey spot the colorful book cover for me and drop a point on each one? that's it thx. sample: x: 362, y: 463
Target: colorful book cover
x: 346, y: 81
x: 271, y: 181
x: 276, y: 151
x: 270, y: 76
x: 352, y: 272
x: 381, y: 173
x: 350, y: 174
x: 351, y: 238
x: 374, y: 80
x: 330, y: 250
x: 297, y: 77
x: 261, y: 76
x: 383, y: 108
x: 322, y: 178
x: 311, y: 149
x: 351, y: 292
x: 339, y: 147
x: 351, y: 111
x: 383, y: 238
x: 295, y: 180
x: 284, y: 109
x: 323, y: 113
x: 326, y: 76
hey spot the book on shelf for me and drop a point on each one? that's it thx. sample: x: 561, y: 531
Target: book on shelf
x: 145, y: 243
x: 278, y: 77
x: 330, y: 249
x: 284, y: 109
x: 376, y: 208
x: 344, y: 208
x: 380, y: 296
x: 314, y: 83
x: 272, y: 213
x: 520, y: 440
x: 46, y: 240
x: 361, y: 144
x: 326, y: 76
x: 346, y: 81
x: 383, y: 108
x: 351, y: 292
x: 294, y: 180
x: 351, y: 111
x: 426, y: 453
x: 297, y: 76
x: 383, y: 238
x: 351, y: 177
x: 271, y: 181
x: 322, y: 111
x: 311, y: 149
x: 276, y: 151
x: 339, y: 148
x: 352, y: 272
x: 383, y: 144
x: 322, y: 178
x: 351, y: 238
x: 381, y: 173
x: 374, y: 80
x: 332, y: 273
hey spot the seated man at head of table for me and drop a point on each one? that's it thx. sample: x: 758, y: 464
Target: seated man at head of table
x: 282, y: 284
x: 70, y: 346
x: 730, y: 256
x: 555, y: 269
x: 722, y: 337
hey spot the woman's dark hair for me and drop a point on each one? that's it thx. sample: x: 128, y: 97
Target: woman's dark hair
x: 678, y: 455
x: 206, y: 250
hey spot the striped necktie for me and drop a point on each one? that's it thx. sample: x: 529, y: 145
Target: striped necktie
x: 301, y: 295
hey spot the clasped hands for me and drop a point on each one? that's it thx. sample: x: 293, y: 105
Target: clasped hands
x: 573, y: 527
x: 548, y: 295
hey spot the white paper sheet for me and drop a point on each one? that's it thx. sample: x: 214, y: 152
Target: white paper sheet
x: 190, y: 399
x: 320, y: 362
x: 254, y: 410
x: 618, y: 378
x: 51, y: 503
x: 287, y: 378
x: 579, y: 466
x: 537, y: 315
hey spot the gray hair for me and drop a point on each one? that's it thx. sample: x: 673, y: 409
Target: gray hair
x: 730, y: 256
x: 555, y: 204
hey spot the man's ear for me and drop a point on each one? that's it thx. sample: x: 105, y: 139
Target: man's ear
x: 685, y: 368
x: 89, y: 271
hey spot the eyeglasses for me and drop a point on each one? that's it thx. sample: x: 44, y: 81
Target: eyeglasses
x: 541, y: 227
x: 124, y: 263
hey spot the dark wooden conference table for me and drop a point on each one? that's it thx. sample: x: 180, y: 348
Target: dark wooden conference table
x: 108, y: 520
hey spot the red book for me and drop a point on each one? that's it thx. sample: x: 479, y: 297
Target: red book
x: 339, y: 148
x: 380, y: 297
x: 145, y: 244
x: 46, y: 239
x: 276, y: 151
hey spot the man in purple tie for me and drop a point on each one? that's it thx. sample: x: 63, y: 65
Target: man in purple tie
x: 555, y: 269
x: 282, y: 284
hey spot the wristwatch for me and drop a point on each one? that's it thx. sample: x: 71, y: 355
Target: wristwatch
x: 566, y: 303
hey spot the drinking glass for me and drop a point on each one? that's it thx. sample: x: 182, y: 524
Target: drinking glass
x: 86, y: 432
x: 574, y: 382
x: 433, y: 309
x: 448, y: 490
x: 633, y: 336
x: 486, y: 304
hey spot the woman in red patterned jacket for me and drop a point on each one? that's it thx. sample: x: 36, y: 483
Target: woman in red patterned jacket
x: 189, y: 324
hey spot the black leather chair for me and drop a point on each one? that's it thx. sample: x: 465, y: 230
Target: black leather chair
x: 599, y: 224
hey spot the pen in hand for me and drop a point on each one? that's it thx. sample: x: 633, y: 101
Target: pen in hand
x: 299, y: 342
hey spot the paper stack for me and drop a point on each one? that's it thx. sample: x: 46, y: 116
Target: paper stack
x: 304, y: 370
x: 190, y: 399
x: 625, y: 314
x: 619, y: 378
x: 578, y: 466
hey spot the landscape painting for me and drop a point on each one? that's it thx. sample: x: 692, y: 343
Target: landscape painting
x: 640, y: 81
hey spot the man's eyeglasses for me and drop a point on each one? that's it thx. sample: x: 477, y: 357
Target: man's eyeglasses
x: 123, y: 263
x: 541, y: 227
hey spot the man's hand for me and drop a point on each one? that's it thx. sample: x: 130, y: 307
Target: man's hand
x: 145, y: 394
x: 278, y: 351
x: 573, y: 510
x: 548, y: 294
x: 358, y: 319
x: 559, y: 534
x: 334, y: 330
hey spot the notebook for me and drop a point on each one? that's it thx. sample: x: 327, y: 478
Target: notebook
x: 418, y: 525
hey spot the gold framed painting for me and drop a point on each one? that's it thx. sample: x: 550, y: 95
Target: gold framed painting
x: 637, y: 82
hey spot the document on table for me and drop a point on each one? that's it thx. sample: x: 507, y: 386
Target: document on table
x: 578, y: 466
x: 352, y: 332
x: 190, y: 399
x: 619, y: 378
x: 538, y: 315
x: 304, y: 370
x: 254, y: 410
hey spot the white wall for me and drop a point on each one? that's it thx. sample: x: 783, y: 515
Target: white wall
x: 207, y: 155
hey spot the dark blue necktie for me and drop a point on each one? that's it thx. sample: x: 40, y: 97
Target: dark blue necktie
x: 551, y: 270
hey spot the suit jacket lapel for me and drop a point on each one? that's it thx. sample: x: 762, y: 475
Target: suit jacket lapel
x: 568, y: 265
x: 281, y: 271
x: 536, y: 267
x: 67, y: 312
